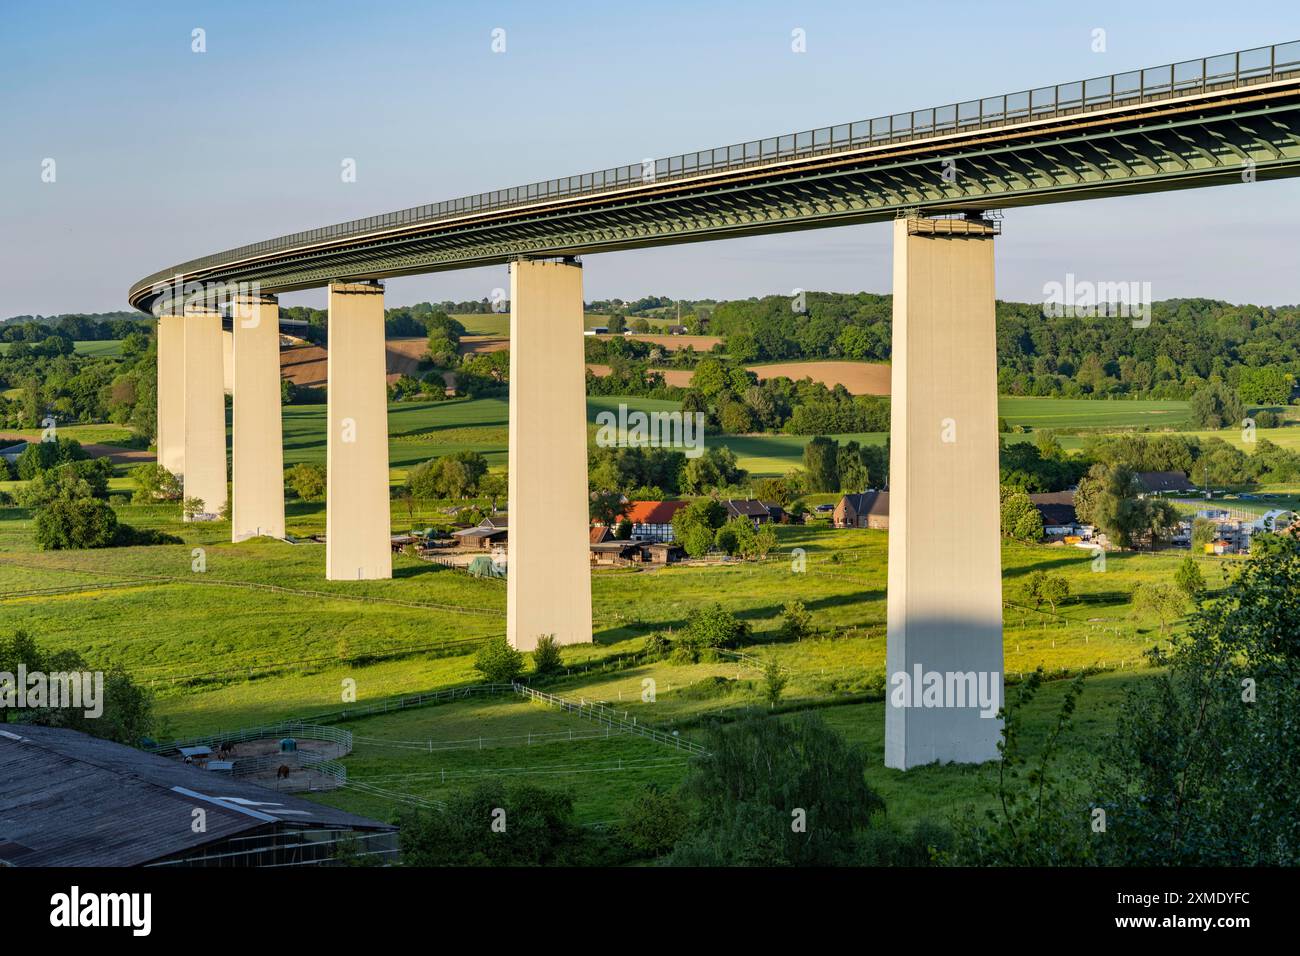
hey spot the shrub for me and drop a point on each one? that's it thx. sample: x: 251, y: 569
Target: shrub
x: 153, y: 483
x: 75, y: 523
x: 713, y: 627
x: 1188, y: 578
x: 307, y: 481
x: 774, y: 680
x: 796, y: 621
x: 498, y: 662
x: 657, y: 647
x: 495, y: 824
x: 654, y: 820
x: 546, y: 656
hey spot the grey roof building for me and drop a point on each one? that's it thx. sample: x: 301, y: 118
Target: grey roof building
x: 69, y: 799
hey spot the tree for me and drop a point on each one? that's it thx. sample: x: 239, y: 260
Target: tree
x: 1020, y: 519
x: 127, y: 717
x: 1268, y: 385
x: 1043, y: 588
x: 777, y: 792
x: 1035, y: 821
x: 774, y: 680
x: 695, y: 525
x: 796, y: 621
x: 711, y: 627
x: 1204, y: 531
x: 764, y: 540
x: 1164, y: 601
x: 546, y: 656
x: 737, y: 537
x: 494, y: 824
x: 1205, y: 762
x: 774, y: 490
x: 153, y: 483
x: 1215, y: 406
x: 624, y: 530
x: 307, y: 481
x: 654, y: 820
x: 452, y: 476
x: 821, y: 463
x: 498, y: 662
x: 68, y: 522
x: 606, y: 507
x: 1188, y: 578
x: 1108, y: 498
x: 697, y: 541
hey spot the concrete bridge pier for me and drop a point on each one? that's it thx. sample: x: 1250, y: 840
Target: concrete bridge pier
x: 548, y: 583
x: 205, y: 409
x: 357, y: 524
x: 171, y: 392
x: 256, y: 437
x: 945, y: 580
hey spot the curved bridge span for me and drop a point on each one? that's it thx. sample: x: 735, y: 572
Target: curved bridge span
x: 1195, y: 123
x: 1233, y: 118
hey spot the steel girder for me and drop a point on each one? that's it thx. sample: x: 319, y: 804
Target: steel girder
x: 1231, y: 139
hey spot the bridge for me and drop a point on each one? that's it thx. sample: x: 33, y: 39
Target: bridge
x: 935, y: 173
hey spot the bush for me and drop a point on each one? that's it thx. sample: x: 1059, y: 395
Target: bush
x: 1188, y: 578
x: 546, y: 656
x: 712, y: 627
x: 498, y: 662
x: 657, y: 647
x: 654, y: 820
x: 153, y: 483
x: 307, y: 481
x: 66, y: 523
x: 776, y: 792
x: 796, y: 621
x: 495, y: 824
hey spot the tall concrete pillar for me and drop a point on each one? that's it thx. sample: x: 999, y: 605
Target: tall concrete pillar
x: 548, y: 582
x: 171, y: 392
x: 357, y: 525
x: 256, y: 439
x: 945, y: 578
x: 205, y: 409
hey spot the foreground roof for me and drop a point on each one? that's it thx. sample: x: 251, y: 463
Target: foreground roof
x: 69, y: 799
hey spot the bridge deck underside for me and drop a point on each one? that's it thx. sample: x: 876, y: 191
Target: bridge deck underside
x: 1235, y: 139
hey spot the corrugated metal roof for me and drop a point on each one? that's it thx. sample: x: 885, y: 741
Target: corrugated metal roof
x: 68, y: 799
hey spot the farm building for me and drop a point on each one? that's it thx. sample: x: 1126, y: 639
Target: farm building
x: 10, y: 453
x: 489, y: 533
x: 1159, y: 482
x: 867, y: 510
x: 751, y: 508
x: 1059, y: 518
x: 69, y: 799
x: 652, y: 520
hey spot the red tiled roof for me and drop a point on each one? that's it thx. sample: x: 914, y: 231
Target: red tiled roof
x: 653, y: 512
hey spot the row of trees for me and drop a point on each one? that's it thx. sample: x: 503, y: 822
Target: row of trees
x: 1202, y: 765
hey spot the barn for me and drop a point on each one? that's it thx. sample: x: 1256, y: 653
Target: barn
x: 69, y: 799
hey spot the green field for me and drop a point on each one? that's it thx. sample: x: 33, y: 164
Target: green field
x: 1088, y: 413
x: 103, y: 348
x: 268, y: 654
x: 222, y: 650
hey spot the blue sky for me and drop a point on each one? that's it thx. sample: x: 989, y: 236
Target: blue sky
x: 164, y: 154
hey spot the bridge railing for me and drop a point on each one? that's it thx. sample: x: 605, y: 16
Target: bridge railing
x: 1225, y: 71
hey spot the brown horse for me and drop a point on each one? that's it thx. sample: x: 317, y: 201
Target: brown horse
x: 283, y: 772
